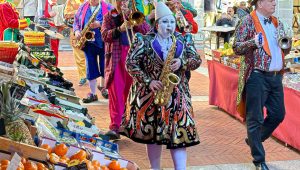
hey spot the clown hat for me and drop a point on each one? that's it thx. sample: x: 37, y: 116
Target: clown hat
x: 162, y: 10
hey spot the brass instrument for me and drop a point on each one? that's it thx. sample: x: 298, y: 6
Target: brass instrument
x: 86, y: 33
x: 284, y: 36
x: 182, y: 22
x: 168, y: 79
x: 135, y: 18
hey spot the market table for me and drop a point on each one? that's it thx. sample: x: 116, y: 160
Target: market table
x: 217, y: 29
x: 223, y: 83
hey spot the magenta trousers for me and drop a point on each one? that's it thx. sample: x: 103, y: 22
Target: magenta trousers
x: 118, y: 91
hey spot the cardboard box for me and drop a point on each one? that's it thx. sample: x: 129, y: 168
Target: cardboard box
x: 105, y: 161
x: 95, y: 155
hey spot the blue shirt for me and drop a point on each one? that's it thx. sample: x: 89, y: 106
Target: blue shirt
x: 276, y: 55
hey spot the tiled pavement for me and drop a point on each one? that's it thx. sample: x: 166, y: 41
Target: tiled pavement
x: 222, y: 137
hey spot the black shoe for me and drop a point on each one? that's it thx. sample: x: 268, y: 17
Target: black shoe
x: 90, y: 98
x: 104, y: 92
x: 113, y: 135
x: 261, y: 166
x: 247, y: 141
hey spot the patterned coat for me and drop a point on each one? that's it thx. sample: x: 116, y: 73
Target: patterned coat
x: 112, y: 38
x: 252, y: 57
x: 145, y: 122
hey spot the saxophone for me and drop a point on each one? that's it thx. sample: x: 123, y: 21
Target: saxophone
x: 168, y: 79
x: 87, y: 34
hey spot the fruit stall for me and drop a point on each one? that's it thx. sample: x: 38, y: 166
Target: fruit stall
x: 42, y: 124
x: 223, y: 68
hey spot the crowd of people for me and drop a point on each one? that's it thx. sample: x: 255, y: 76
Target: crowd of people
x: 136, y: 51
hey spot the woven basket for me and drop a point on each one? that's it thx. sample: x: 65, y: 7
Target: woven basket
x: 8, y: 51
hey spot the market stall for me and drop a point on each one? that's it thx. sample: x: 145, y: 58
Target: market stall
x: 43, y: 125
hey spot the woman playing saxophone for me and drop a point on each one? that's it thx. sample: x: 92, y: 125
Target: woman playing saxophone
x: 148, y: 59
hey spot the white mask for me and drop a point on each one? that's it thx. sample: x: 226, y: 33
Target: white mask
x: 166, y: 26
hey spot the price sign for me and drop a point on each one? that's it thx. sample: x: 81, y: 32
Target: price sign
x: 14, y: 163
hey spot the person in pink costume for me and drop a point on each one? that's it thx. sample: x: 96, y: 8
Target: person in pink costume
x: 117, y: 80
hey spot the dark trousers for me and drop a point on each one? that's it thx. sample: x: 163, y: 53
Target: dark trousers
x: 226, y: 36
x: 94, y: 57
x: 263, y: 91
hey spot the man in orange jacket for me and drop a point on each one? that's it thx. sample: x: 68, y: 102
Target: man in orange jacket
x: 9, y: 18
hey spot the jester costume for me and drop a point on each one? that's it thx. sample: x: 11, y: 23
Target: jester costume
x: 10, y: 21
x: 146, y: 122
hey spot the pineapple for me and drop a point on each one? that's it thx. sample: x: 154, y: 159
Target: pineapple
x: 11, y: 111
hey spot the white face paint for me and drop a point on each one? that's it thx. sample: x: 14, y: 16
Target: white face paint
x: 166, y: 26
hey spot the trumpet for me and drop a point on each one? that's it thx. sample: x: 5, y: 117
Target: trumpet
x: 284, y: 36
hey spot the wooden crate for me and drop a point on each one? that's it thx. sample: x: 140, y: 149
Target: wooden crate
x: 25, y: 150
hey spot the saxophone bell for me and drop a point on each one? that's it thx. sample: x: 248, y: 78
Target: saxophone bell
x: 173, y: 79
x: 90, y: 36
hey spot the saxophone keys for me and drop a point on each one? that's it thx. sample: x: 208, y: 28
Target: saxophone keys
x: 161, y: 101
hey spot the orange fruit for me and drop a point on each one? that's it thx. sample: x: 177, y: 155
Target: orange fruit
x: 40, y: 166
x: 5, y: 162
x: 96, y: 164
x: 114, y: 165
x: 47, y: 147
x: 88, y: 164
x: 23, y: 160
x: 64, y: 157
x: 61, y: 149
x: 4, y: 167
x: 123, y: 169
x: 80, y: 155
x: 21, y: 166
x: 30, y: 166
x: 104, y: 167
